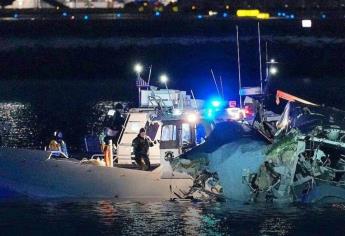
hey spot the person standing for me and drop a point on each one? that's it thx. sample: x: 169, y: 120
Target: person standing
x: 141, y: 145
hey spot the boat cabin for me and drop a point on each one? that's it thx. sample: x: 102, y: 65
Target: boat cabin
x: 170, y: 118
x: 173, y: 136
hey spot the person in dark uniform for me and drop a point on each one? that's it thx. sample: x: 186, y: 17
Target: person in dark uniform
x: 141, y: 145
x: 119, y: 119
x: 113, y: 123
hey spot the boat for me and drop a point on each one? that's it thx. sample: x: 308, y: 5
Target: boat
x: 169, y: 116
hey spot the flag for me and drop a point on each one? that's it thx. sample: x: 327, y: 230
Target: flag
x: 141, y: 83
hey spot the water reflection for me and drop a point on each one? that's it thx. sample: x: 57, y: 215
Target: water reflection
x: 192, y: 218
x: 106, y: 211
x: 98, y: 111
x: 145, y: 218
x: 31, y: 126
x: 165, y: 218
x: 276, y: 225
x: 18, y: 125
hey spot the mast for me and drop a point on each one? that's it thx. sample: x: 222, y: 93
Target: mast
x: 215, y: 82
x: 260, y: 60
x: 148, y: 81
x: 266, y: 62
x: 239, y: 65
x: 221, y: 86
x: 196, y: 105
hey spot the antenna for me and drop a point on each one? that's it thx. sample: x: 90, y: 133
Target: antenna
x: 239, y: 65
x: 215, y: 82
x: 259, y: 41
x: 266, y: 62
x: 196, y: 105
x: 148, y: 80
x: 221, y: 86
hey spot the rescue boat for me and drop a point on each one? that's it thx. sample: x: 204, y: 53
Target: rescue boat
x: 169, y: 116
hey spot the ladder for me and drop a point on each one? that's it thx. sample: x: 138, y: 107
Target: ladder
x: 135, y: 121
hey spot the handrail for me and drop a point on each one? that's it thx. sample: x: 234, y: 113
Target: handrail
x: 123, y: 130
x: 96, y: 155
x: 159, y: 101
x: 101, y: 155
x: 57, y: 152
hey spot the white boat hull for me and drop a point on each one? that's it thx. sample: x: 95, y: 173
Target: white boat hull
x: 30, y: 172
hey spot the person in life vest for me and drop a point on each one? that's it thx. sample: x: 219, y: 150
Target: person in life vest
x: 141, y: 145
x: 58, y: 144
x: 107, y: 146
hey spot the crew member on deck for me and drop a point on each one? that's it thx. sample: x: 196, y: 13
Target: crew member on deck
x: 107, y: 146
x: 114, y: 123
x: 141, y: 145
x: 57, y: 143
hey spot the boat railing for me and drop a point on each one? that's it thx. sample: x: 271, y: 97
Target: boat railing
x: 122, y: 130
x: 160, y: 107
x: 95, y: 156
x: 158, y: 104
x: 58, y: 154
x: 158, y: 100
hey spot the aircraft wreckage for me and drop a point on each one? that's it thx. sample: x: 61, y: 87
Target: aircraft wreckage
x: 303, y: 159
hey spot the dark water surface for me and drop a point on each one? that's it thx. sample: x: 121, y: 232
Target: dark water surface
x: 66, y: 217
x: 30, y: 111
x: 59, y: 75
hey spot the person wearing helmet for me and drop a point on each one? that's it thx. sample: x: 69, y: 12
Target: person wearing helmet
x: 58, y: 144
x: 141, y: 145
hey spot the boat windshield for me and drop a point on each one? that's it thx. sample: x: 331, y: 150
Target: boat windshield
x: 186, y: 134
x: 168, y: 133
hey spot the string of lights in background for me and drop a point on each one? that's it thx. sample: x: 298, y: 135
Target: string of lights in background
x: 197, y: 9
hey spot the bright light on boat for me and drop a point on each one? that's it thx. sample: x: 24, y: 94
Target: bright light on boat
x: 306, y: 23
x: 192, y: 118
x: 273, y: 70
x: 235, y: 113
x: 164, y: 79
x: 177, y: 112
x: 216, y: 103
x: 138, y: 68
x: 111, y: 112
x: 273, y: 61
x: 209, y: 114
